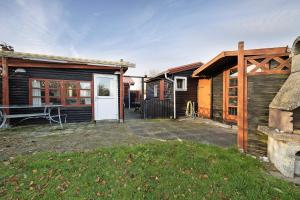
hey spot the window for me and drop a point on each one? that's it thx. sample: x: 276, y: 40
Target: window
x: 104, y: 86
x: 54, y: 92
x: 155, y: 88
x: 38, y: 92
x: 180, y: 83
x: 60, y: 92
x: 71, y: 93
x: 85, y: 93
x: 231, y: 94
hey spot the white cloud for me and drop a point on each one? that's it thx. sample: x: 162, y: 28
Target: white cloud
x: 154, y: 35
x: 37, y: 26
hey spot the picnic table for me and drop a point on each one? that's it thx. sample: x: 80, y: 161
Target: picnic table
x: 46, y: 114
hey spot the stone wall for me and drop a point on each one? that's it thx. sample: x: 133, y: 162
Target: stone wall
x: 282, y: 154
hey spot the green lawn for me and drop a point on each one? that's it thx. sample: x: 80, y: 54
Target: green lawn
x: 170, y: 170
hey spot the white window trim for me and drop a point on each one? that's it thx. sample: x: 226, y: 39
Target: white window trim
x: 155, y: 91
x: 184, y: 83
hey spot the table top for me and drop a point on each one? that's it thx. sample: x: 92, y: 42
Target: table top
x: 30, y: 106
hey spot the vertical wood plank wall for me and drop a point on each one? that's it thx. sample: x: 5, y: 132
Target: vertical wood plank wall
x: 217, y: 97
x: 261, y: 91
x: 19, y: 88
x: 182, y: 97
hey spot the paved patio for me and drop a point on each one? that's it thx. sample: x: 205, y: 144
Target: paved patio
x: 88, y: 136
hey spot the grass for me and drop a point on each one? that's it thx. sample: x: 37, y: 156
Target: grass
x: 170, y: 170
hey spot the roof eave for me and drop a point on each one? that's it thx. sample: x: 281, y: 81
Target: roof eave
x: 249, y: 52
x: 65, y: 60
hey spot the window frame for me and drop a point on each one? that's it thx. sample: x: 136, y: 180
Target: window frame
x: 155, y: 90
x: 63, y: 91
x: 227, y: 96
x: 184, y: 88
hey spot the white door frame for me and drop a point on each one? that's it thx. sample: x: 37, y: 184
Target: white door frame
x: 116, y: 94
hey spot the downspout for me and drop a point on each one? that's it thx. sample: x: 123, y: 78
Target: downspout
x: 121, y: 112
x: 174, y: 94
x: 129, y: 97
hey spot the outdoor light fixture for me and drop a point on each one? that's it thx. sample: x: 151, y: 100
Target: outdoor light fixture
x: 20, y: 70
x: 117, y: 72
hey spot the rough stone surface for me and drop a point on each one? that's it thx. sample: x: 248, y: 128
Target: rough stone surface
x: 296, y: 63
x: 282, y: 155
x: 288, y: 97
x: 281, y: 120
x: 88, y: 136
x: 283, y: 150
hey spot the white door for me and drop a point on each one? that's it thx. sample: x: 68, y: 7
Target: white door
x: 106, y: 97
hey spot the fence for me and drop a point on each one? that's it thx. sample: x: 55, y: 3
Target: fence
x: 155, y: 108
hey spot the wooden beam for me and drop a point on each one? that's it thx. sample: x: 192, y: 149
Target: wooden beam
x: 224, y: 111
x: 34, y: 64
x: 242, y: 100
x: 121, y: 112
x: 265, y: 51
x: 250, y: 52
x: 5, y: 84
x: 161, y: 90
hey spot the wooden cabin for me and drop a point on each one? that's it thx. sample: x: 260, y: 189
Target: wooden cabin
x: 161, y: 87
x: 87, y: 89
x: 236, y: 87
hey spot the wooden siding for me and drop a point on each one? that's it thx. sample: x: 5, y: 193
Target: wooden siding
x: 261, y: 91
x: 150, y: 89
x: 182, y: 97
x: 168, y: 90
x: 217, y: 97
x: 19, y: 88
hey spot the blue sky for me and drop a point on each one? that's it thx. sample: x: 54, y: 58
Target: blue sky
x: 153, y: 34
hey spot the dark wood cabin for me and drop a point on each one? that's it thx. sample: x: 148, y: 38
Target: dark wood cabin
x: 161, y: 88
x: 236, y: 87
x: 87, y: 89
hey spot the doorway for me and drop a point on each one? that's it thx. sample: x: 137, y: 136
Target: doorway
x: 106, y: 97
x: 204, y: 98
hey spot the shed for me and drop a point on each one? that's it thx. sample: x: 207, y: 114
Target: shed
x: 161, y: 86
x: 87, y: 89
x: 236, y: 87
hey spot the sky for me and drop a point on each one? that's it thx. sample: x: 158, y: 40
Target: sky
x: 153, y: 34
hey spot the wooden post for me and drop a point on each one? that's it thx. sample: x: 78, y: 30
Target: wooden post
x: 143, y: 102
x: 242, y: 120
x: 5, y: 84
x: 161, y: 90
x: 121, y: 96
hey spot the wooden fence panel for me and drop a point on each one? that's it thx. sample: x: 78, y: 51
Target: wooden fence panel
x: 155, y: 108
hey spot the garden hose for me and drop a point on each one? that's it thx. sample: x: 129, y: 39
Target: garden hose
x: 190, y: 109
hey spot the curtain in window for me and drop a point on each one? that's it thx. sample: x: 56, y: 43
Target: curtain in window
x: 36, y: 93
